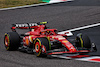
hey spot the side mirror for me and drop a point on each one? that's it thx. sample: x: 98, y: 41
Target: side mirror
x: 94, y: 47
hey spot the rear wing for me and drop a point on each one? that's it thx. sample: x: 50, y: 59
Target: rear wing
x: 26, y: 25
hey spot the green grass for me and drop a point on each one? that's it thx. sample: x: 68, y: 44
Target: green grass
x: 14, y: 3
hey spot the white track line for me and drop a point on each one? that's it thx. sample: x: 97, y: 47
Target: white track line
x: 88, y: 59
x: 80, y: 28
x: 57, y: 1
x: 34, y: 5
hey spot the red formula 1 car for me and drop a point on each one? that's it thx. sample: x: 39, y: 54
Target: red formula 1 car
x: 46, y: 42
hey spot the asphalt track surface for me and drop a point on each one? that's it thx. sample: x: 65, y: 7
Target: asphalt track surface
x: 62, y: 16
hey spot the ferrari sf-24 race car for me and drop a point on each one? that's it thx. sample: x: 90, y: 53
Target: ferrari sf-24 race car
x: 43, y: 41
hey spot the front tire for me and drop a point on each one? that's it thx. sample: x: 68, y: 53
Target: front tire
x: 42, y: 45
x: 11, y: 41
x: 83, y: 41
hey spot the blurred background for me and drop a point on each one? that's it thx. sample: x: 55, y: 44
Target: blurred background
x: 13, y: 3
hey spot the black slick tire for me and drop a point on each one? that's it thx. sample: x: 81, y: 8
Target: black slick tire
x: 83, y: 41
x: 39, y: 42
x: 11, y: 41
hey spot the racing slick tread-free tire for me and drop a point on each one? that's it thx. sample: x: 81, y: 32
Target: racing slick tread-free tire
x: 11, y: 41
x: 83, y: 41
x: 40, y: 43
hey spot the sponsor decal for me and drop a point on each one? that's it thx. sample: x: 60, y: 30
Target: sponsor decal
x: 26, y: 25
x: 58, y: 37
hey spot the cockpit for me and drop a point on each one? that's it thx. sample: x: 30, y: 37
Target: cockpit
x: 49, y: 32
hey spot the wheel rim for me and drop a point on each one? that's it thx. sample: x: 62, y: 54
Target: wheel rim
x: 6, y: 41
x: 37, y: 47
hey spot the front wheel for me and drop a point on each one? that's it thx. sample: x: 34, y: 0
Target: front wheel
x: 42, y: 45
x: 83, y: 41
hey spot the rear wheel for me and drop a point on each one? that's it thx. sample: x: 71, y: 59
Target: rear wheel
x: 11, y: 41
x: 42, y: 45
x: 83, y: 41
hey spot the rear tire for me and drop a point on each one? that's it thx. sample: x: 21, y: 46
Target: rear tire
x: 11, y: 41
x: 83, y: 41
x: 42, y: 45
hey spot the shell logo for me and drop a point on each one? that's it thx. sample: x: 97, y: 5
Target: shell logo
x: 65, y: 41
x: 27, y: 41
